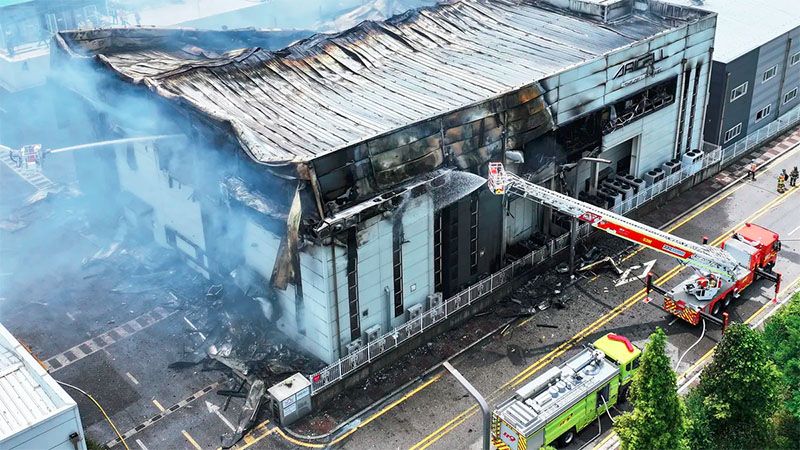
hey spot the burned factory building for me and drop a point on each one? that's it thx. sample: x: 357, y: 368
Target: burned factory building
x: 340, y: 180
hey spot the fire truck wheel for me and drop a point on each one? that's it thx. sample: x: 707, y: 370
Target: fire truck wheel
x: 566, y: 438
x: 715, y: 309
x: 727, y: 301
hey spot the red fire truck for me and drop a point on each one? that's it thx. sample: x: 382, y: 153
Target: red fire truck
x: 754, y: 248
x: 721, y: 273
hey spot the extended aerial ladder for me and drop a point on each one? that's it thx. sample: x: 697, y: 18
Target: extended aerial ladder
x: 710, y: 263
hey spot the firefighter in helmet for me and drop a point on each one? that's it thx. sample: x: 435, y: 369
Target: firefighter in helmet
x: 781, y: 184
x: 793, y: 175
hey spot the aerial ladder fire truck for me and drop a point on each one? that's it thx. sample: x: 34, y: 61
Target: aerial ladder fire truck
x: 720, y: 273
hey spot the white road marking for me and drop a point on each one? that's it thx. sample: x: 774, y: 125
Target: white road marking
x: 58, y: 362
x: 673, y: 321
x: 71, y: 317
x: 135, y: 381
x: 792, y: 232
x: 212, y: 408
x: 141, y: 445
x: 186, y: 402
x: 625, y: 278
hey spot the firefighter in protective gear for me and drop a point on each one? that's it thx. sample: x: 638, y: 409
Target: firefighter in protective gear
x: 751, y: 170
x: 29, y: 156
x: 781, y: 184
x: 793, y: 175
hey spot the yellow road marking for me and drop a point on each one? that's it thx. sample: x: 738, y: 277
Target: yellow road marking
x: 383, y: 411
x: 710, y: 352
x: 626, y: 305
x: 725, y: 195
x: 254, y: 441
x: 567, y: 345
x: 605, y: 439
x: 295, y: 441
x: 158, y: 405
x: 405, y: 397
x: 191, y: 440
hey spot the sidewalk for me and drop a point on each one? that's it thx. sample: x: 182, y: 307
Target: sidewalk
x: 761, y: 155
x: 379, y: 388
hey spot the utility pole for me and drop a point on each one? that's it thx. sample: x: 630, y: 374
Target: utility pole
x: 478, y: 397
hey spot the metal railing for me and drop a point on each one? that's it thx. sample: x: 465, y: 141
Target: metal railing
x: 391, y: 340
x: 776, y: 127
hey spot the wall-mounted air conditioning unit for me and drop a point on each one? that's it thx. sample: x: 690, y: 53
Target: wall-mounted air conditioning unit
x: 435, y: 303
x: 414, y: 312
x: 372, y: 333
x: 353, y: 346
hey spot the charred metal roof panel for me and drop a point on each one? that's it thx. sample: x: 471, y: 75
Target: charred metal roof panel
x: 332, y: 91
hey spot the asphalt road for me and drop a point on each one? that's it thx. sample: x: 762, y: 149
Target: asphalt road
x: 442, y: 416
x: 124, y: 348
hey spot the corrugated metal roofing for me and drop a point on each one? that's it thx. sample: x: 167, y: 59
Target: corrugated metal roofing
x: 4, y: 3
x: 330, y: 92
x: 743, y: 25
x: 25, y: 397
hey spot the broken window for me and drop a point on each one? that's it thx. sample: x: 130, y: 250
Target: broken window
x: 643, y: 103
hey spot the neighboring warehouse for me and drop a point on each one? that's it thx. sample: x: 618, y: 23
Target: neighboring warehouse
x: 35, y: 412
x: 340, y: 178
x: 756, y: 74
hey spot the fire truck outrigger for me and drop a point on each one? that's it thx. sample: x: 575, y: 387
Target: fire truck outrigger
x: 721, y: 273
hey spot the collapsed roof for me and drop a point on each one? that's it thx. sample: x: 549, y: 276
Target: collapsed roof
x: 331, y: 92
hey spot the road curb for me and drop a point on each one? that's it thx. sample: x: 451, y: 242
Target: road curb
x: 388, y: 397
x: 354, y: 420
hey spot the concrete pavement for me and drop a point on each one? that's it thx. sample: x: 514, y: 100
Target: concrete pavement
x: 441, y: 416
x: 159, y: 408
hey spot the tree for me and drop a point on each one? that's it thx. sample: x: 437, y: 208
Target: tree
x: 657, y: 421
x: 782, y: 335
x: 697, y: 427
x: 737, y: 395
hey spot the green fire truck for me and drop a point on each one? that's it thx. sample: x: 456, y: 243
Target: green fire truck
x: 562, y: 401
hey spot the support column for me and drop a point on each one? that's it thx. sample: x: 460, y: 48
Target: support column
x: 573, y: 241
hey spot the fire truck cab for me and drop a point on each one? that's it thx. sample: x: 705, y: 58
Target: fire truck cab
x: 760, y: 249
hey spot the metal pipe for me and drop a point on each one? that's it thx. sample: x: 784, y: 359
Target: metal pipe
x: 478, y: 398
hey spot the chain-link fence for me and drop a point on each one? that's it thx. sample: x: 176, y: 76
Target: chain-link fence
x: 389, y: 341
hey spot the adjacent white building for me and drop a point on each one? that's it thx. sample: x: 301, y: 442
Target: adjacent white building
x: 35, y: 412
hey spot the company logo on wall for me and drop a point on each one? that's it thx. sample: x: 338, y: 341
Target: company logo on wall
x: 646, y: 61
